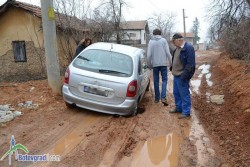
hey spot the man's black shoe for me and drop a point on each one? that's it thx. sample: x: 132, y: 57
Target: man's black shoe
x: 174, y: 111
x: 183, y: 116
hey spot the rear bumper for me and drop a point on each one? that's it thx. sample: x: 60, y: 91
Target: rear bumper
x: 125, y: 108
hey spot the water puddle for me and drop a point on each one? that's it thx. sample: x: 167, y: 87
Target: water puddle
x: 196, y: 84
x: 71, y: 140
x: 208, y: 97
x: 204, y: 70
x: 209, y: 83
x: 199, y: 138
x: 208, y: 76
x: 66, y: 143
x: 161, y: 151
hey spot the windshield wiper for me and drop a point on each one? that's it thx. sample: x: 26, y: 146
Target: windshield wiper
x: 80, y: 57
x: 111, y: 71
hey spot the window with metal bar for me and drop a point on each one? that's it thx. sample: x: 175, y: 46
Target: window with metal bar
x: 19, y: 51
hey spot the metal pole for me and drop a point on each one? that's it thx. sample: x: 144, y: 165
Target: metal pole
x: 184, y: 25
x: 50, y: 44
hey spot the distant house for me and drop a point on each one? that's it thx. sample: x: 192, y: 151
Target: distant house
x: 135, y: 32
x: 22, y: 50
x: 202, y: 46
x: 189, y: 37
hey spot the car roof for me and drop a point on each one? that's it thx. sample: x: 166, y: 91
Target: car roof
x: 124, y: 49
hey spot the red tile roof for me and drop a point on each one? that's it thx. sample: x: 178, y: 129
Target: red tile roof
x: 28, y: 7
x: 188, y: 34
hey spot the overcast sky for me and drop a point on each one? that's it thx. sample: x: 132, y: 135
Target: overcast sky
x: 143, y: 9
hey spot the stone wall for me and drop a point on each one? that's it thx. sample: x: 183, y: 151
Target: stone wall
x: 33, y: 69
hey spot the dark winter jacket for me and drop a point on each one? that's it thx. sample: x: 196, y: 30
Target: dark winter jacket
x: 187, y: 57
x: 79, y: 49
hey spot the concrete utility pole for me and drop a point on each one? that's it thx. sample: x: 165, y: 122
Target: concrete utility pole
x: 184, y: 25
x: 50, y: 44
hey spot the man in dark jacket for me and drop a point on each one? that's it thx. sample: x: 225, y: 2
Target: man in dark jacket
x: 183, y: 68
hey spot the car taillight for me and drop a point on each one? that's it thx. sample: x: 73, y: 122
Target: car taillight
x: 66, y: 76
x: 132, y: 89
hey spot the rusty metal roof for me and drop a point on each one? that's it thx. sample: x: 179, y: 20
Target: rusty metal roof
x: 62, y: 21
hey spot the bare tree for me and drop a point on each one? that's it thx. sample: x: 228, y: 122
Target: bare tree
x: 71, y: 18
x: 225, y: 14
x: 114, y: 11
x: 116, y: 8
x: 230, y: 25
x: 102, y: 22
x: 163, y: 21
x: 212, y: 34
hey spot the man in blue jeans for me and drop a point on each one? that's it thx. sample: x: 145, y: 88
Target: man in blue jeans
x: 183, y: 68
x: 157, y: 56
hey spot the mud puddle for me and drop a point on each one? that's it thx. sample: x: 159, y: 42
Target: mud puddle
x: 202, y: 142
x: 160, y: 151
x: 69, y: 142
x: 197, y: 134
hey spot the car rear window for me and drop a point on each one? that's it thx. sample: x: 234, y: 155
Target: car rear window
x: 106, y: 62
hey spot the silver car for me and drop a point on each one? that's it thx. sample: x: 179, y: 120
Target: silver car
x: 108, y: 78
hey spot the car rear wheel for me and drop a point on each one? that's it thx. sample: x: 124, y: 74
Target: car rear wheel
x: 135, y: 112
x: 69, y: 105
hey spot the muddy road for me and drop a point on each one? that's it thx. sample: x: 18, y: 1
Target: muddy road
x: 79, y: 137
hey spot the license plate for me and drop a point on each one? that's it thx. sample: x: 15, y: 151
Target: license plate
x: 95, y: 91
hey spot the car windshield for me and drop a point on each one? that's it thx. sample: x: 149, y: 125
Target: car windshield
x: 106, y: 62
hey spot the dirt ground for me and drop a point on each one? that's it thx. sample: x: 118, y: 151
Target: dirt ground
x: 216, y: 135
x: 227, y: 124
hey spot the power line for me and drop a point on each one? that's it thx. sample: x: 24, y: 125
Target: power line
x: 154, y: 5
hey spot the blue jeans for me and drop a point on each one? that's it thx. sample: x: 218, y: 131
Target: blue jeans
x: 164, y: 76
x: 182, y: 95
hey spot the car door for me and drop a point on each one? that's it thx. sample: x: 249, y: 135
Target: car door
x: 143, y: 73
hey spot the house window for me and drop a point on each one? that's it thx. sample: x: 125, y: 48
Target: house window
x: 132, y: 34
x: 19, y: 51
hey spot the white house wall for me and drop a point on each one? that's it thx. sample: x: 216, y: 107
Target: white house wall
x: 143, y: 37
x: 136, y: 32
x: 139, y: 35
